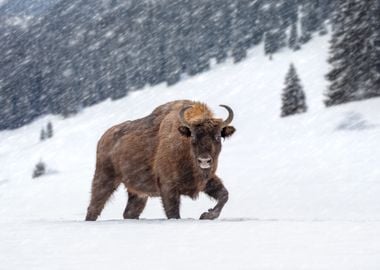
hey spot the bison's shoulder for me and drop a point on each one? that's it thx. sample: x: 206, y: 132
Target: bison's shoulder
x: 146, y: 127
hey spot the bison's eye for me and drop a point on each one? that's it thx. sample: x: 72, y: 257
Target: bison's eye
x: 218, y: 137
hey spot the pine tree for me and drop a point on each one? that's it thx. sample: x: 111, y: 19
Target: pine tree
x: 293, y: 96
x: 322, y: 30
x: 39, y: 169
x: 339, y: 76
x: 268, y: 44
x: 275, y: 36
x: 42, y: 135
x: 289, y: 12
x: 310, y: 19
x: 49, y: 130
x: 221, y: 20
x: 293, y: 38
x: 198, y: 57
x: 374, y: 47
x: 240, y: 30
x: 351, y: 53
x: 171, y: 45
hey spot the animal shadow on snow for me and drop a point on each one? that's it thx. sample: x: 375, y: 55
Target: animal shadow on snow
x: 354, y: 121
x: 3, y: 182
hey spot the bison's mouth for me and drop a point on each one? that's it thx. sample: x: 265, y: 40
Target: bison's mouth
x: 204, y: 166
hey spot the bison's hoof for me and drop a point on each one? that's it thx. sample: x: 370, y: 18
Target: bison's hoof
x: 90, y: 219
x: 209, y: 215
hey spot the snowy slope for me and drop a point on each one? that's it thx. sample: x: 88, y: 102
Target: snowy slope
x: 304, y: 191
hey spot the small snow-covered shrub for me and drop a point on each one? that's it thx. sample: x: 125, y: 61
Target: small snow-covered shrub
x: 39, y: 169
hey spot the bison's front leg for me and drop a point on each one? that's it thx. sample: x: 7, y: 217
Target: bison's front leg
x: 171, y: 201
x: 215, y: 189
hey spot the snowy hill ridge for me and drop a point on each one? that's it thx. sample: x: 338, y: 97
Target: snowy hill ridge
x: 283, y: 175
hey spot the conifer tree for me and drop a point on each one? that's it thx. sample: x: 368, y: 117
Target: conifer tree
x: 310, y: 19
x: 352, y: 53
x: 49, y: 130
x: 340, y: 84
x: 268, y: 44
x: 374, y: 46
x: 322, y: 30
x: 42, y: 135
x: 275, y: 36
x: 293, y: 38
x: 241, y: 33
x: 222, y: 25
x: 39, y: 169
x: 293, y: 96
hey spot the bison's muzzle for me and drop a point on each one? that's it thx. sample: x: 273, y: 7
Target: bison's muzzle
x: 205, y: 162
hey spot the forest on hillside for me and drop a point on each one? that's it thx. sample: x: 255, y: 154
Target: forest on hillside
x: 73, y: 54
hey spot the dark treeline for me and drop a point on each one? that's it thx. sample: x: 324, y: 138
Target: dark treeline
x: 79, y: 53
x: 354, y: 52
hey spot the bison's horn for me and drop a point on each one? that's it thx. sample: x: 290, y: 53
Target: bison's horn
x: 230, y: 115
x: 182, y: 116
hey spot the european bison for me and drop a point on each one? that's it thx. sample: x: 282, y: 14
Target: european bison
x: 171, y: 152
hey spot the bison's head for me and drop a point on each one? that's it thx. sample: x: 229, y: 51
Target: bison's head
x: 205, y: 136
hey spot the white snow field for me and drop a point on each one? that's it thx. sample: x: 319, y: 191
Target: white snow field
x: 304, y: 190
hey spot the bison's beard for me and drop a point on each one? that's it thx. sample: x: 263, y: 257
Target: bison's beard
x: 206, y: 174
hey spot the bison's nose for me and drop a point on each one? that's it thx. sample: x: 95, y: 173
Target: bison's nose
x: 204, y: 162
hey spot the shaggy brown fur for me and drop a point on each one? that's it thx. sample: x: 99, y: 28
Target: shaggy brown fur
x: 158, y: 156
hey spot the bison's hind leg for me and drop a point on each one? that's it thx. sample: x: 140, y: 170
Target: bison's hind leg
x: 103, y: 185
x: 135, y: 206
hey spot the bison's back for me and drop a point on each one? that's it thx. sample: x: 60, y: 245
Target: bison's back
x: 128, y: 149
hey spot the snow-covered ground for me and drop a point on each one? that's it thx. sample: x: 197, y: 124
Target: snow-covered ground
x: 304, y: 190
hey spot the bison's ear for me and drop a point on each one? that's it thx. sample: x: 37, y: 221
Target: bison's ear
x: 228, y: 131
x: 185, y: 131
